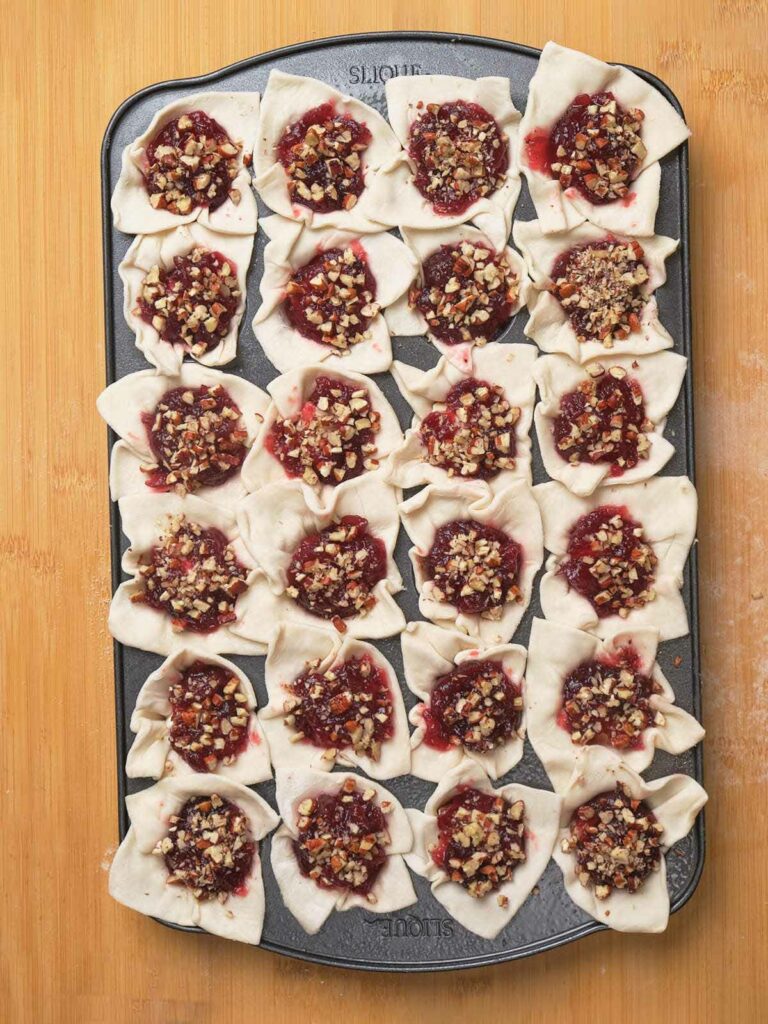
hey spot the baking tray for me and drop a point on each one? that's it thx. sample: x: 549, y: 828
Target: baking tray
x: 423, y: 937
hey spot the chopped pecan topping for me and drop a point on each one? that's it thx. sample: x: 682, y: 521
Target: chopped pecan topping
x: 193, y: 575
x: 209, y: 716
x: 191, y: 162
x: 192, y: 304
x: 616, y: 841
x: 476, y: 705
x: 209, y: 848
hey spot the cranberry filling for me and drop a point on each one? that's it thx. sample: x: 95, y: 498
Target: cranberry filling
x: 193, y: 575
x: 332, y: 439
x: 596, y: 147
x: 476, y: 705
x: 191, y: 162
x: 608, y: 703
x: 467, y: 293
x: 474, y: 567
x: 616, y: 841
x: 609, y: 561
x: 342, y: 839
x: 472, y: 433
x: 196, y: 437
x: 350, y: 705
x: 603, y: 420
x: 193, y: 303
x: 209, y: 716
x: 332, y: 573
x: 331, y: 300
x: 322, y: 156
x: 209, y: 848
x: 481, y: 840
x: 598, y: 284
x: 460, y: 155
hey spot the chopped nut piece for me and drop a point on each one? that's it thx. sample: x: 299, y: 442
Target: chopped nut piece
x: 476, y: 706
x: 209, y: 725
x: 474, y: 567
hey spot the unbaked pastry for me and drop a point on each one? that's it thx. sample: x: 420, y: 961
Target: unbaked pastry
x: 655, y: 380
x: 512, y: 511
x: 640, y: 712
x: 312, y: 903
x: 398, y: 200
x: 237, y: 113
x: 487, y: 914
x: 193, y: 689
x: 561, y: 77
x: 276, y: 521
x: 335, y: 673
x: 367, y: 427
x: 286, y: 101
x: 380, y: 269
x: 551, y: 327
x: 139, y: 877
x: 135, y: 623
x: 508, y: 367
x: 510, y: 280
x: 151, y: 256
x: 674, y: 800
x: 129, y: 406
x: 665, y: 510
x: 494, y: 725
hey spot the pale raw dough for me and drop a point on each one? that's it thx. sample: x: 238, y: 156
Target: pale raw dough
x: 289, y: 393
x: 675, y: 800
x: 554, y: 651
x: 310, y: 904
x: 484, y: 916
x: 512, y: 510
x: 660, y: 377
x: 289, y: 652
x: 563, y: 74
x: 397, y: 201
x: 138, y: 877
x: 666, y: 509
x: 124, y: 403
x: 138, y: 625
x: 160, y: 249
x: 286, y: 100
x: 291, y: 247
x: 405, y: 320
x: 508, y: 366
x: 548, y: 324
x: 430, y: 652
x: 151, y: 755
x: 238, y: 115
x: 274, y: 520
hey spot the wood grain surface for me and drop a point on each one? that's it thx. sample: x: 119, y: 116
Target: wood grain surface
x: 67, y: 952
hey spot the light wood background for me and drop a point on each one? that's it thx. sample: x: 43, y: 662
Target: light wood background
x: 67, y: 952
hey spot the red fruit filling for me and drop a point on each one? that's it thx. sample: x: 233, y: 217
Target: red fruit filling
x: 460, y: 153
x: 474, y: 567
x: 471, y: 433
x: 609, y: 562
x: 191, y: 162
x: 192, y: 304
x: 332, y: 439
x: 209, y: 848
x: 197, y: 439
x: 350, y: 705
x: 209, y: 716
x: 332, y: 573
x: 322, y: 154
x: 193, y: 575
x: 481, y: 840
x: 616, y: 841
x: 476, y: 705
x: 467, y: 293
x: 343, y: 839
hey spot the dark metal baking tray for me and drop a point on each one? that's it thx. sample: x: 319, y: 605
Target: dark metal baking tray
x: 423, y: 937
